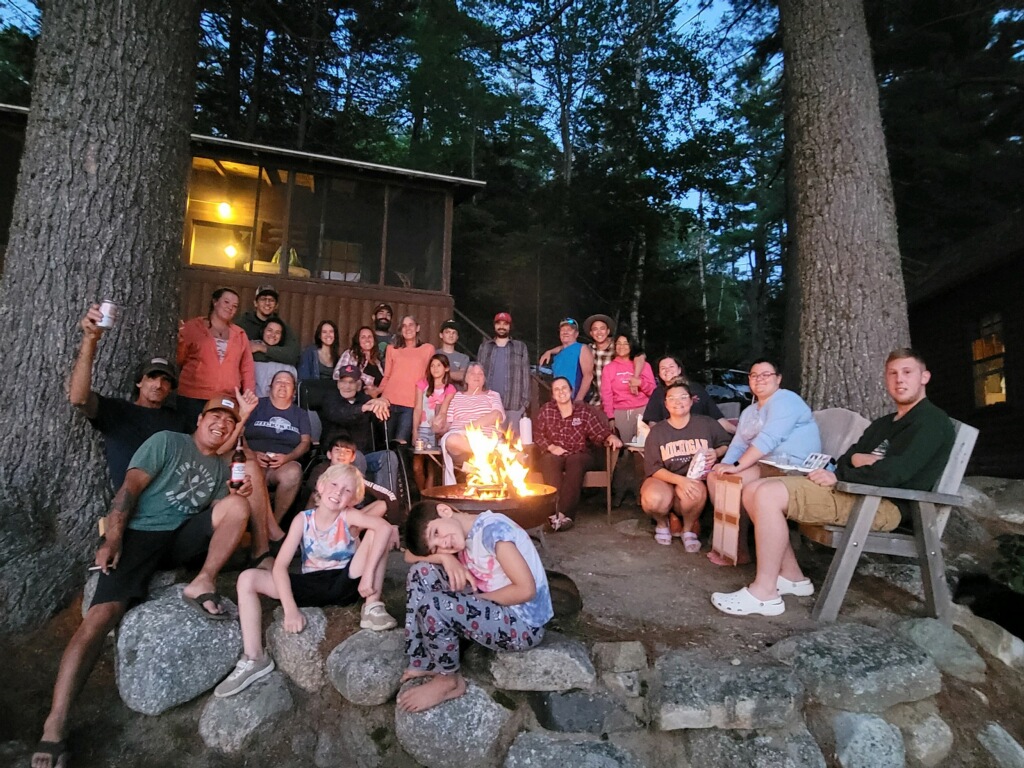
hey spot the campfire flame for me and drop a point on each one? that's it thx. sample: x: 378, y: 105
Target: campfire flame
x: 495, y: 471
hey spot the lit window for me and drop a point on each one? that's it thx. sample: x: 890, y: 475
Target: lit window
x: 989, y: 362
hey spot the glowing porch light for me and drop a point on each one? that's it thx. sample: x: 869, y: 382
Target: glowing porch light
x: 224, y: 211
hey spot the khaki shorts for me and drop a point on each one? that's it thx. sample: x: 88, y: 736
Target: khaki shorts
x: 817, y: 505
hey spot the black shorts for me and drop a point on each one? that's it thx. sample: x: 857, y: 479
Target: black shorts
x: 333, y: 587
x: 143, y: 553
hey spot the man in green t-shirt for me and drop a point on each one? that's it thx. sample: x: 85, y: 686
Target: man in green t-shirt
x: 906, y: 449
x: 174, y: 508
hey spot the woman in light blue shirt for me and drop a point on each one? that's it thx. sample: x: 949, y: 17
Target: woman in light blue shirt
x: 777, y: 424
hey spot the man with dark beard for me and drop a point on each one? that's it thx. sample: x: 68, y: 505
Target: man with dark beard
x: 382, y: 314
x: 506, y: 365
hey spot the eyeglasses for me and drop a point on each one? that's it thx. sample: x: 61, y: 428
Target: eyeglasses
x: 761, y: 376
x: 568, y: 321
x: 678, y: 399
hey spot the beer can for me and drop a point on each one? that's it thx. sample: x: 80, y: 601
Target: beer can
x: 420, y: 444
x: 109, y: 311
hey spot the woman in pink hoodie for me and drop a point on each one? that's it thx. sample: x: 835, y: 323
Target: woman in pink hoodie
x: 623, y: 402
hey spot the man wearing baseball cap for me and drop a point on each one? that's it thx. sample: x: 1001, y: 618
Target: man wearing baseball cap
x: 124, y: 424
x: 173, y: 507
x: 457, y: 361
x: 506, y: 363
x: 253, y: 322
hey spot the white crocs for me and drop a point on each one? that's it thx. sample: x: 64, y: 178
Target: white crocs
x: 803, y: 588
x: 743, y: 603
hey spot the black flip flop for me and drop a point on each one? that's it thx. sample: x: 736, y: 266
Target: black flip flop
x: 196, y: 603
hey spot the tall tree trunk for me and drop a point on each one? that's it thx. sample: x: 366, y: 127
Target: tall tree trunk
x: 98, y: 214
x: 854, y: 306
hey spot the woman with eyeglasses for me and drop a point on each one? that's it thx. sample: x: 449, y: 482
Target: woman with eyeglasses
x: 777, y: 424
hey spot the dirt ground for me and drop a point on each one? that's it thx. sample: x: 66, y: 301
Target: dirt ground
x: 631, y: 588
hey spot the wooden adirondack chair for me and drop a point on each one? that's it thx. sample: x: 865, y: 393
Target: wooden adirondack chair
x: 930, y: 512
x: 602, y: 478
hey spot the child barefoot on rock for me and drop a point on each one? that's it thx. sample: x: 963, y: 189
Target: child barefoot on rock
x: 475, y: 576
x: 337, y: 568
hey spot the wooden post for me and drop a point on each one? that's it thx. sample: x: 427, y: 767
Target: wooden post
x: 726, y: 536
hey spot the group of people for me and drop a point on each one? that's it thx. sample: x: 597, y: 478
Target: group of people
x: 475, y: 576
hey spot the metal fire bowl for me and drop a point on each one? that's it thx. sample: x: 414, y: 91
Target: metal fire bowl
x: 527, y: 511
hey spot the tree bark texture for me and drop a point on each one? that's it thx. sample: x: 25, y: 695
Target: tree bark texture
x: 98, y: 214
x: 854, y: 306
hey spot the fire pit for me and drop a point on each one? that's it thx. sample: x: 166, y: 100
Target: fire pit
x: 528, y: 511
x: 496, y: 480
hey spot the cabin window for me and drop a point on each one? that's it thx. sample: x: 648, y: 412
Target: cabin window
x: 221, y: 211
x: 415, y: 250
x: 989, y: 362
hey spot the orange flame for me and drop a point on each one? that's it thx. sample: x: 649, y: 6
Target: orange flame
x: 495, y: 471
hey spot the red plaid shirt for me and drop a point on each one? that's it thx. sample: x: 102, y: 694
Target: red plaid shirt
x: 570, y: 433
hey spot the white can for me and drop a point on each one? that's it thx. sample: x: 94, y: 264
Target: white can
x: 109, y: 311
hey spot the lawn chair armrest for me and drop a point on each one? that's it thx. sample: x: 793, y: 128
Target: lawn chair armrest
x: 898, y: 493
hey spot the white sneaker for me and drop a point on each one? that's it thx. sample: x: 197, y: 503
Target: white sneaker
x: 376, y: 617
x: 246, y: 672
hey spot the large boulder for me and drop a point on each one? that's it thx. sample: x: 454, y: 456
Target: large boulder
x: 792, y: 747
x: 367, y: 667
x: 867, y: 741
x: 557, y: 664
x: 950, y: 652
x: 298, y: 655
x: 628, y: 656
x: 694, y: 690
x: 472, y: 730
x: 859, y: 668
x: 539, y: 749
x: 226, y: 723
x: 168, y: 654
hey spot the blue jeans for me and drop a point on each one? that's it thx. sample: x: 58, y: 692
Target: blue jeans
x: 400, y: 423
x: 382, y: 469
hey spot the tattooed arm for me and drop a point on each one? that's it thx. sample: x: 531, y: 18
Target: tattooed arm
x: 121, y: 509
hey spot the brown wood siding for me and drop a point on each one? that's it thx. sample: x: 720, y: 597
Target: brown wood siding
x: 943, y: 328
x: 304, y: 303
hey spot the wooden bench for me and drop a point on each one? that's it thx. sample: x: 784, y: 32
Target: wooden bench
x: 929, y: 512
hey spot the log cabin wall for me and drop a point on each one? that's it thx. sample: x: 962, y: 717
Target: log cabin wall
x: 304, y: 303
x: 945, y: 327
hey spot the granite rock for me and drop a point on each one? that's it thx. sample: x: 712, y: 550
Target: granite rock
x: 623, y: 683
x: 579, y: 711
x: 694, y: 690
x: 557, y: 664
x: 859, y: 668
x: 472, y: 730
x: 539, y: 749
x: 990, y: 637
x: 950, y: 652
x: 168, y: 654
x: 628, y: 656
x: 298, y: 655
x: 792, y: 747
x: 366, y: 668
x: 867, y: 741
x: 226, y: 723
x: 1002, y: 746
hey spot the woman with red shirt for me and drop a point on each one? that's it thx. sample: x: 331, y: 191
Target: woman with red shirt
x: 213, y: 355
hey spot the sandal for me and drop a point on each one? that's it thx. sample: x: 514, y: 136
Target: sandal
x: 743, y: 603
x: 691, y: 543
x: 663, y: 535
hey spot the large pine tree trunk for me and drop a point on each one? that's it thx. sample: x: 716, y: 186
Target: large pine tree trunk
x: 98, y: 214
x: 854, y: 307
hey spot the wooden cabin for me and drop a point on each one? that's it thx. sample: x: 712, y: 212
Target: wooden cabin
x: 333, y: 236
x: 966, y: 319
